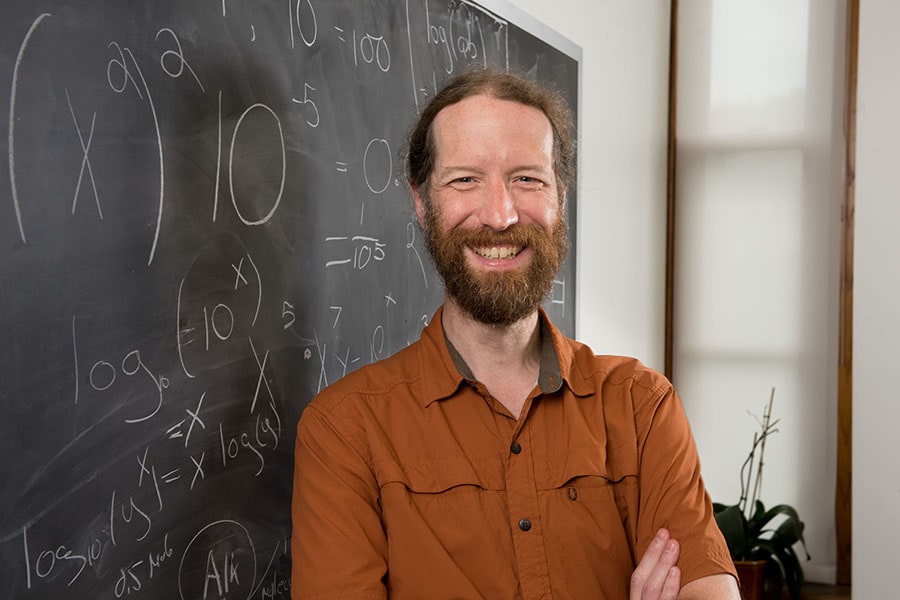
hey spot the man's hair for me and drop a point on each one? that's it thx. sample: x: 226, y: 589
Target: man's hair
x: 503, y: 86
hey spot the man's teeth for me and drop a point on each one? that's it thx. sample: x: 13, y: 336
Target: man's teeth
x: 494, y: 252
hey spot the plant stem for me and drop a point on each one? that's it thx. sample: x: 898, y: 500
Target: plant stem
x: 767, y: 417
x: 745, y: 479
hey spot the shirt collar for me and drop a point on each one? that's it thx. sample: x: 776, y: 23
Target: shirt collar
x: 444, y: 369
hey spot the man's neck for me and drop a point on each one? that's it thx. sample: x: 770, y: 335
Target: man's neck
x: 506, y: 359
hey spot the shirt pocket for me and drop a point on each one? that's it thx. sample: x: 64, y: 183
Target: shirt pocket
x: 584, y: 501
x: 444, y: 491
x: 446, y: 523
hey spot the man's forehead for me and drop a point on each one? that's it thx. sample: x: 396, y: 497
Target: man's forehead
x: 474, y: 106
x: 485, y: 119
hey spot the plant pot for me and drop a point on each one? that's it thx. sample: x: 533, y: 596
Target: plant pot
x: 751, y: 574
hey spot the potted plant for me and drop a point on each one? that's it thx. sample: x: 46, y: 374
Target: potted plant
x: 762, y: 541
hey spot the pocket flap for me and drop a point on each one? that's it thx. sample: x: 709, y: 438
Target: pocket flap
x: 594, y: 460
x: 443, y: 473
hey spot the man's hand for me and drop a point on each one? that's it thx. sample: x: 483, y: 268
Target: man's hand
x: 656, y: 576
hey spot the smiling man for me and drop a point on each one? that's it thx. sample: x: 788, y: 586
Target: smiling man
x: 495, y: 458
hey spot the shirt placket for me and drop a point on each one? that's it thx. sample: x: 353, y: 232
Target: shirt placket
x: 526, y: 524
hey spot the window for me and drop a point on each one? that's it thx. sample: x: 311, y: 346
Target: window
x: 757, y: 234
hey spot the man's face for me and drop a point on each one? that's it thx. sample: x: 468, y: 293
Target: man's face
x: 493, y: 216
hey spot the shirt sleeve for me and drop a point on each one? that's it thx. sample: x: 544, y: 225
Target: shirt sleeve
x: 672, y: 493
x: 338, y: 544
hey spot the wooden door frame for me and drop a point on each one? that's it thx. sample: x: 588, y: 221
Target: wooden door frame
x: 843, y: 500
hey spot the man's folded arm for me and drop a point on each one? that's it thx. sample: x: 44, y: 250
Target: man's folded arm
x: 721, y: 586
x: 673, y: 496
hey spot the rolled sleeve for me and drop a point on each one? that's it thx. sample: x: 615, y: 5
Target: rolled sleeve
x: 672, y: 494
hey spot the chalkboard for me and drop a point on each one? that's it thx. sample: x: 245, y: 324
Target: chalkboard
x: 204, y: 221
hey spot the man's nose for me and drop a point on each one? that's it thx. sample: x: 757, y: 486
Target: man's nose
x: 498, y: 209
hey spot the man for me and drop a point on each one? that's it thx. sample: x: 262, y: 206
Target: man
x: 494, y: 458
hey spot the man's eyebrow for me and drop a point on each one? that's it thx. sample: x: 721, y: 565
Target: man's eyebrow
x: 452, y: 170
x: 449, y: 170
x: 539, y: 168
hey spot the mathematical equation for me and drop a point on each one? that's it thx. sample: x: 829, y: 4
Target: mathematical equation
x: 206, y: 434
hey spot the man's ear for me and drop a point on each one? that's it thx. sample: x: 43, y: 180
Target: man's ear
x: 419, y: 204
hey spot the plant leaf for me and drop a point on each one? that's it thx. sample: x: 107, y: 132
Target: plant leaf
x: 782, y: 509
x: 758, y: 512
x: 787, y: 560
x: 789, y: 532
x: 731, y: 523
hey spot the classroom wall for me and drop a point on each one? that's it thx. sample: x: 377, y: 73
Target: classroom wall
x: 876, y: 291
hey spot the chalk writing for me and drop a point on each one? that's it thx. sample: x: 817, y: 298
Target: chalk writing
x: 312, y: 105
x: 558, y: 295
x: 287, y: 313
x: 218, y: 320
x: 46, y: 561
x: 132, y: 577
x: 363, y: 250
x: 176, y: 55
x: 219, y: 562
x: 11, y: 146
x: 305, y: 13
x: 234, y: 199
x: 103, y: 374
x: 85, y: 160
x: 372, y: 49
x: 271, y: 585
x: 376, y: 149
x: 122, y: 65
x: 411, y: 246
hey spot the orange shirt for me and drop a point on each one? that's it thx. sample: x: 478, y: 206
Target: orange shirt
x: 411, y: 481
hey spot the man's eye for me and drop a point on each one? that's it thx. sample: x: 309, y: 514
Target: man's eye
x: 464, y: 180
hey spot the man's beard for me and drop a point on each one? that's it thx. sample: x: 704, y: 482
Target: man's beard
x: 500, y: 297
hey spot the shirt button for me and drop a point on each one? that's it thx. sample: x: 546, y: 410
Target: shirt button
x: 515, y: 448
x: 524, y: 524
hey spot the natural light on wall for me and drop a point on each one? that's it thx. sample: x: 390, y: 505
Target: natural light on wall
x: 758, y: 189
x: 770, y: 41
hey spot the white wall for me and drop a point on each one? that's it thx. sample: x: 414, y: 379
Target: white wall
x: 622, y: 226
x: 876, y: 290
x: 622, y: 179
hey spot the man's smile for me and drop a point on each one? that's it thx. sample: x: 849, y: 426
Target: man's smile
x: 495, y: 252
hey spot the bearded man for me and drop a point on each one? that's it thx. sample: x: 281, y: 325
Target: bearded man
x: 495, y: 458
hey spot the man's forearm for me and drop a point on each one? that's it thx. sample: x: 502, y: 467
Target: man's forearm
x: 712, y: 587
